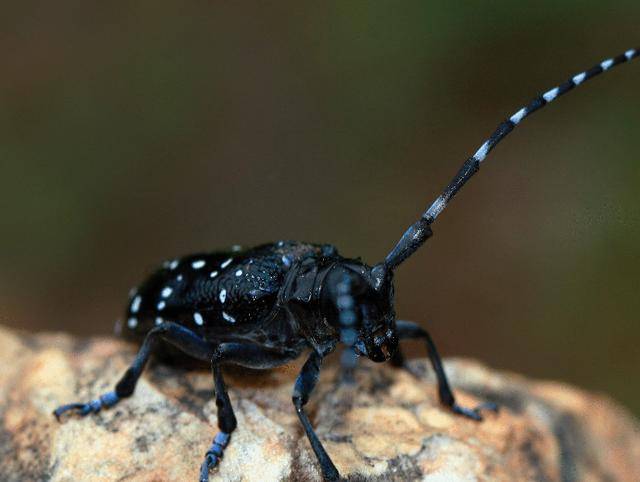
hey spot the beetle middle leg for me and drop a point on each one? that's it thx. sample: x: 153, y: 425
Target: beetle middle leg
x: 410, y: 330
x: 242, y: 354
x: 179, y: 336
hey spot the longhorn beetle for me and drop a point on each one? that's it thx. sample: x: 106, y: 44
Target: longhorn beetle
x: 262, y: 307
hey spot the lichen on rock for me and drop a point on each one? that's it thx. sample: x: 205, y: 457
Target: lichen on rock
x: 389, y: 426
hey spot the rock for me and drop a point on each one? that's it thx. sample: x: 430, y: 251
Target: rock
x: 388, y: 427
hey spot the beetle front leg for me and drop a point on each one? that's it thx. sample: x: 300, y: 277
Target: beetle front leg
x: 397, y: 359
x: 177, y: 335
x: 409, y: 330
x: 305, y: 383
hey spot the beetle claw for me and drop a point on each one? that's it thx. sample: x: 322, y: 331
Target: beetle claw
x: 213, y: 455
x: 475, y: 413
x: 210, y: 462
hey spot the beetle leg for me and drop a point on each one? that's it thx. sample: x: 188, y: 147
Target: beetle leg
x: 226, y: 420
x: 397, y: 359
x: 305, y: 383
x: 177, y: 335
x: 247, y: 355
x: 410, y: 330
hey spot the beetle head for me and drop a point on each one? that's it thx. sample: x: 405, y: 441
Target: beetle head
x: 361, y: 307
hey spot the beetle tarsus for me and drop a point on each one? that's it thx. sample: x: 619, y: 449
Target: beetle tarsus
x: 474, y: 413
x: 214, y: 455
x: 107, y: 400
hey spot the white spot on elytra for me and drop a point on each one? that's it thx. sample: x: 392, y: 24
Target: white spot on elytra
x: 223, y: 296
x: 239, y: 272
x: 213, y: 274
x: 578, y: 79
x: 518, y: 116
x: 280, y: 244
x: 226, y: 263
x: 161, y: 305
x: 228, y: 317
x: 132, y: 322
x: 551, y: 94
x: 174, y: 264
x: 286, y: 261
x: 197, y: 317
x: 605, y: 64
x: 179, y: 278
x: 166, y: 291
x: 135, y: 304
x: 159, y: 320
x: 198, y: 264
x: 629, y: 53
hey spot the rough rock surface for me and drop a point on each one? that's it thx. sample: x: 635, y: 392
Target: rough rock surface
x: 388, y: 428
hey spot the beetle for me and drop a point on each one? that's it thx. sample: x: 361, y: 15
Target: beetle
x: 263, y: 307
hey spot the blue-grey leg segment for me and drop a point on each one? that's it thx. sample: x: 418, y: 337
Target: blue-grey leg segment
x: 305, y: 383
x: 177, y: 335
x: 214, y: 454
x: 409, y: 330
x: 94, y: 406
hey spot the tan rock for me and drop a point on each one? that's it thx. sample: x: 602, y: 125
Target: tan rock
x: 388, y: 427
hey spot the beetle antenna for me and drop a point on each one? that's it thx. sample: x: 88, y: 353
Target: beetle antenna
x: 420, y: 231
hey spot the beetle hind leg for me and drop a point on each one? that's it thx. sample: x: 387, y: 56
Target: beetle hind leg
x: 177, y: 335
x: 94, y: 406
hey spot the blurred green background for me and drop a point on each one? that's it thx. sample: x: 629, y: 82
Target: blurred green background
x: 131, y: 132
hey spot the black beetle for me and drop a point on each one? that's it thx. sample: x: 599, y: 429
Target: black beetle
x: 262, y: 307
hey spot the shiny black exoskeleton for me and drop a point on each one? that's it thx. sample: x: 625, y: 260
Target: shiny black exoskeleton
x: 263, y: 307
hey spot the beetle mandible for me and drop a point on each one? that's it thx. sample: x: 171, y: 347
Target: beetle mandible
x: 265, y: 306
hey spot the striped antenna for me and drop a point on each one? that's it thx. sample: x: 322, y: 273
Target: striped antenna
x: 420, y: 231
